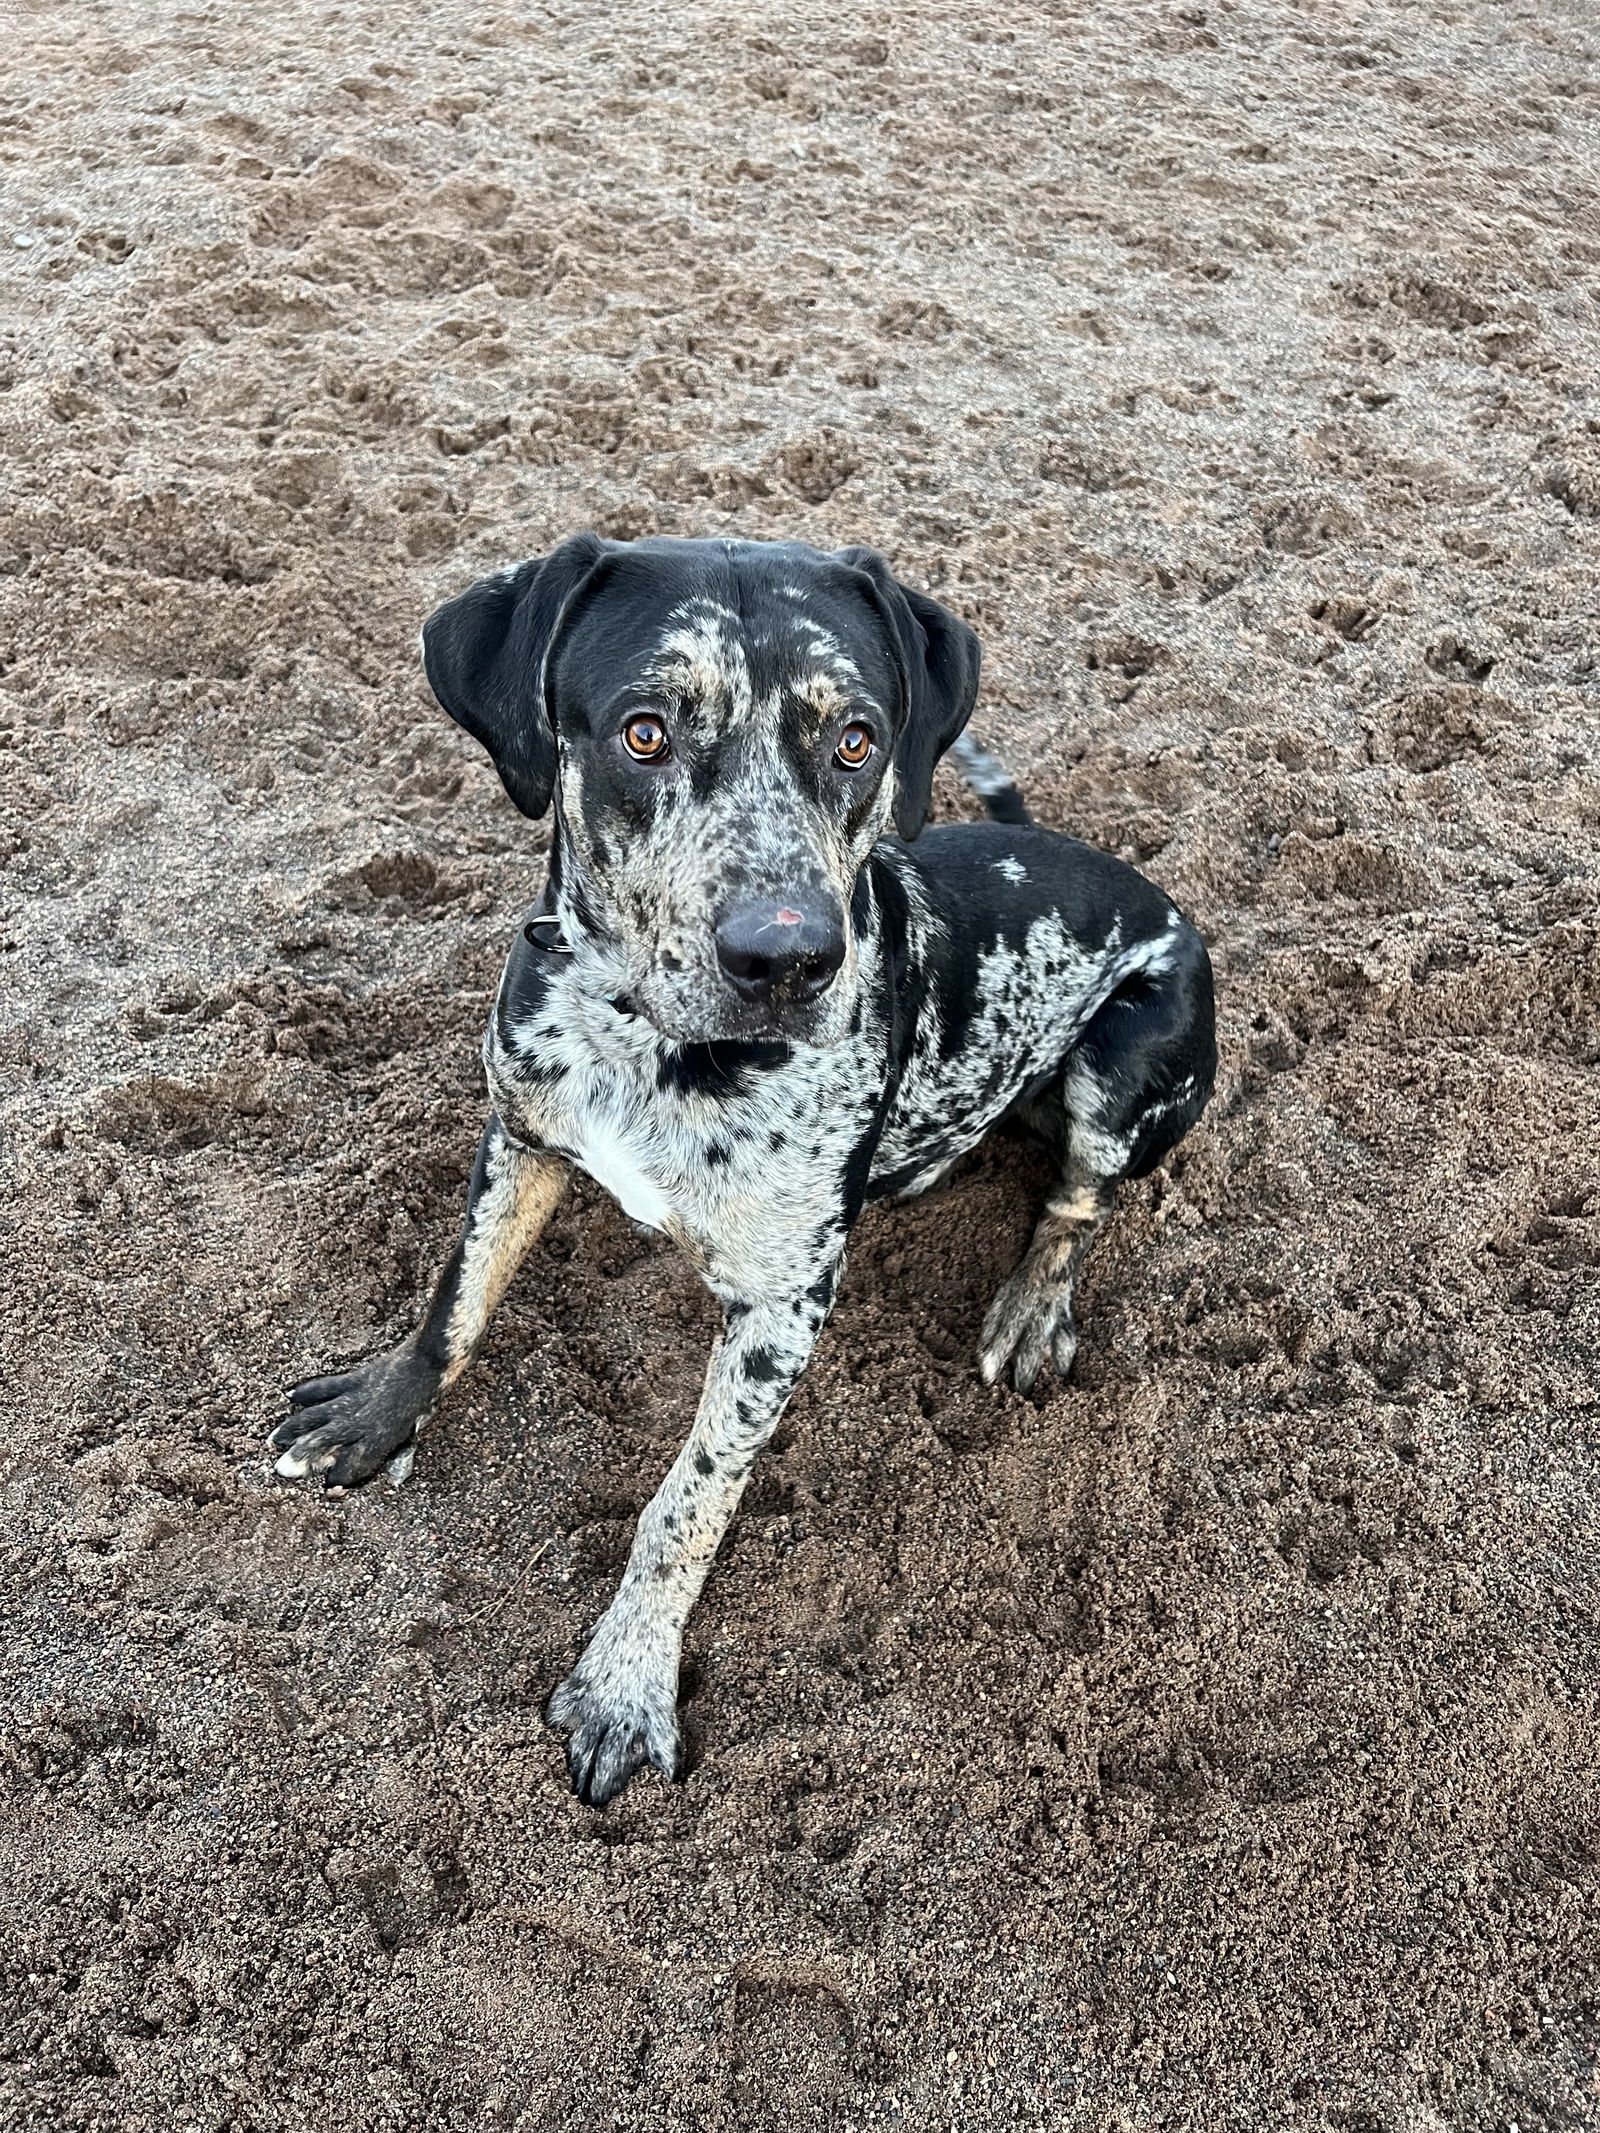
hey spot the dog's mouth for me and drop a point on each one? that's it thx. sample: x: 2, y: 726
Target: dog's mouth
x: 783, y: 971
x: 716, y: 1014
x: 791, y: 1026
x: 680, y: 1009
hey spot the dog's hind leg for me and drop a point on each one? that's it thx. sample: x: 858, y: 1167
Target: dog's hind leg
x: 1031, y: 1318
x: 346, y: 1427
x: 1132, y: 1086
x: 619, y: 1704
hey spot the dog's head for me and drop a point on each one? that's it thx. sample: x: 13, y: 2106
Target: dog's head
x: 726, y: 727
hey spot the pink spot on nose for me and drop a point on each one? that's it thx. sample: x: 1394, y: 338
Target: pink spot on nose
x: 791, y: 918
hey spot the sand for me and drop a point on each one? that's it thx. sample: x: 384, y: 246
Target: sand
x: 1210, y: 1743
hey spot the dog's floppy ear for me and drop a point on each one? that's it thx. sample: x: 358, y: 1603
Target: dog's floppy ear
x: 939, y: 659
x: 486, y: 653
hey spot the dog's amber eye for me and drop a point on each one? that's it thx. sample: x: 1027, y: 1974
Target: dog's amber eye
x: 854, y: 748
x: 645, y: 738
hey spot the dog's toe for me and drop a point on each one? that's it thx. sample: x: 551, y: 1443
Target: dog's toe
x: 1028, y: 1324
x: 1064, y: 1347
x: 615, y: 1726
x: 343, y: 1450
x: 314, y: 1391
x: 345, y: 1428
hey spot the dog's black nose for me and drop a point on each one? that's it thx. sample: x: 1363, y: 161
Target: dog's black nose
x: 775, y: 951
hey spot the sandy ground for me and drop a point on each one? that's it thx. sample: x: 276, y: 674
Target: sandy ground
x: 1209, y: 1744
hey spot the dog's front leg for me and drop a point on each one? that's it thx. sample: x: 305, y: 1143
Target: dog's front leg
x: 345, y: 1428
x: 620, y: 1701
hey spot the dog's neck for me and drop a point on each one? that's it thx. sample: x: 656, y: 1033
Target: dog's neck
x: 563, y: 922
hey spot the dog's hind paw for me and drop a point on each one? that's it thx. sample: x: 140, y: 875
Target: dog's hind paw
x: 619, y: 1715
x: 1028, y: 1322
x: 347, y: 1427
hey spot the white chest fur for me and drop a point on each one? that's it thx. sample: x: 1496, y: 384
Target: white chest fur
x: 612, y: 1160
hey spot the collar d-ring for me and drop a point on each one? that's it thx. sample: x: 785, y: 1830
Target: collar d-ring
x: 531, y: 929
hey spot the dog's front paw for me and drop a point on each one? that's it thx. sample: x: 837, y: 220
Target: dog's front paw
x: 619, y: 1706
x: 346, y: 1427
x: 1028, y: 1321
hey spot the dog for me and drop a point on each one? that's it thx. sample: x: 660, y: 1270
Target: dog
x: 749, y: 1003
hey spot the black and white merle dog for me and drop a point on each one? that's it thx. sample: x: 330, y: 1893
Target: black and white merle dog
x: 748, y: 1010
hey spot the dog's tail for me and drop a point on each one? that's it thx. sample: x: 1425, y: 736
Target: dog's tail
x: 991, y: 781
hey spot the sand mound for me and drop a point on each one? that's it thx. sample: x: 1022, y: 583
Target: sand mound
x: 1209, y: 1744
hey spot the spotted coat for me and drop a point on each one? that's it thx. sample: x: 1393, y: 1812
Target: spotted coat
x: 902, y: 999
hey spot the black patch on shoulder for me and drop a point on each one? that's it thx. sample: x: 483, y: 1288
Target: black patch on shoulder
x: 761, y: 1365
x: 717, y: 1152
x: 704, y: 1463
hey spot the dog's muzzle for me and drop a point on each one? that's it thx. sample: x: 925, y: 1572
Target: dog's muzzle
x: 776, y: 951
